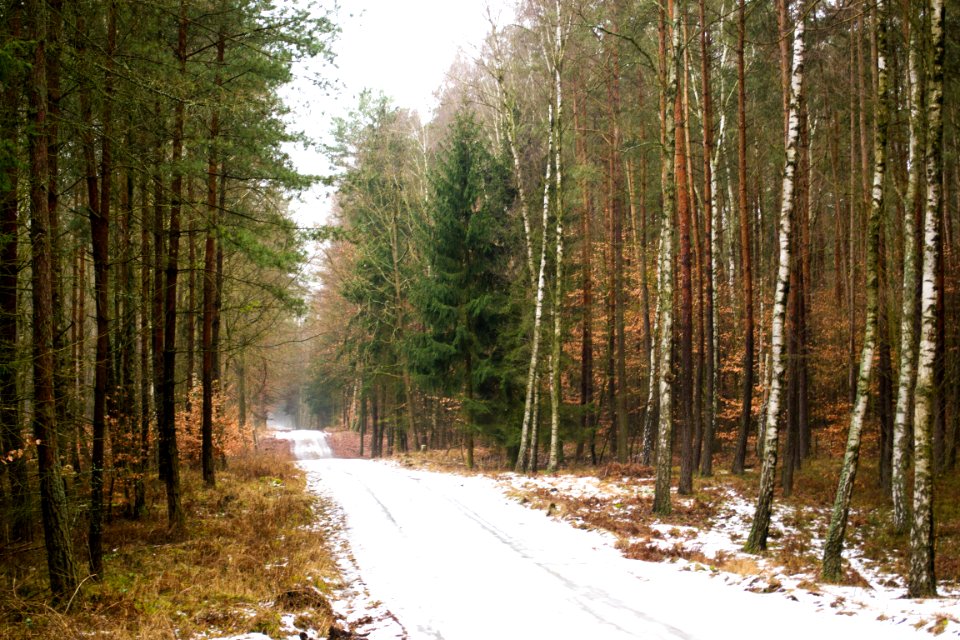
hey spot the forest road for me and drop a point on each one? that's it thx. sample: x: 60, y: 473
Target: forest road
x: 455, y: 559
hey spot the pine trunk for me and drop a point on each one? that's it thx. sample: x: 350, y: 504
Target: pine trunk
x: 209, y: 286
x: 661, y: 499
x: 175, y: 516
x: 11, y: 435
x: 61, y: 564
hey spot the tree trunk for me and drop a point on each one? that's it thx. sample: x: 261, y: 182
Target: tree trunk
x: 684, y: 219
x: 740, y: 454
x: 523, y: 464
x: 921, y: 580
x: 61, y: 565
x: 210, y: 284
x: 661, y: 499
x: 100, y: 234
x: 618, y: 388
x: 556, y: 348
x: 761, y: 520
x: 146, y: 295
x: 831, y: 570
x: 175, y: 516
x: 587, y: 416
x: 11, y: 435
x: 709, y: 373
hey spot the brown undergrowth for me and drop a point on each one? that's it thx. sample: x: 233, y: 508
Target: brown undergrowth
x: 250, y: 555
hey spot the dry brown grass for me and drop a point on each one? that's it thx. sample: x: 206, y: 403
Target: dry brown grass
x: 249, y: 544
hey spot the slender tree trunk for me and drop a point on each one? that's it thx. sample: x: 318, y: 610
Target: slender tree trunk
x: 210, y: 284
x: 556, y: 350
x: 11, y: 435
x: 100, y: 234
x: 146, y: 295
x: 921, y: 580
x: 661, y: 500
x: 686, y: 290
x: 619, y: 388
x: 61, y: 565
x: 175, y: 516
x: 587, y: 416
x: 706, y: 467
x: 163, y: 448
x: 831, y: 570
x: 761, y: 520
x: 533, y: 370
x: 740, y: 454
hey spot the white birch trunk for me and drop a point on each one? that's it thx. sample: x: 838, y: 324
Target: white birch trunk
x: 761, y: 519
x: 529, y: 410
x: 907, y: 376
x: 556, y: 351
x: 831, y: 566
x: 921, y: 581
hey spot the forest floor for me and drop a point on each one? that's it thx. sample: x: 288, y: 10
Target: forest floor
x: 249, y: 563
x: 707, y: 529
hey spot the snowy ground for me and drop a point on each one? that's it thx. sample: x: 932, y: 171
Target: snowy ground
x: 458, y: 558
x: 719, y: 540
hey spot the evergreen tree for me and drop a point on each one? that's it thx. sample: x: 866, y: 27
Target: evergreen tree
x: 462, y: 295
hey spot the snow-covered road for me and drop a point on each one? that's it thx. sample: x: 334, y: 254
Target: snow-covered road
x: 454, y: 558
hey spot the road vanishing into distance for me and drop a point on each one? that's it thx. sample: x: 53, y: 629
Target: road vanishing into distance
x: 453, y: 558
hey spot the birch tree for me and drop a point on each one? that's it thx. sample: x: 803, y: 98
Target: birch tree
x: 556, y: 124
x: 921, y: 580
x: 908, y: 335
x: 757, y: 540
x: 833, y: 546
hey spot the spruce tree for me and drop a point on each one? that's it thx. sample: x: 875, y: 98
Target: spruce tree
x: 462, y: 294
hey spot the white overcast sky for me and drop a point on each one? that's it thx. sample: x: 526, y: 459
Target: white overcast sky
x: 400, y: 47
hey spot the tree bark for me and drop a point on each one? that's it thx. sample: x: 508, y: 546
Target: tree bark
x: 921, y: 580
x: 833, y: 546
x: 686, y: 287
x: 661, y: 499
x: 11, y: 435
x: 175, y: 516
x: 740, y: 454
x: 210, y: 284
x: 61, y: 565
x: 761, y: 520
x: 99, y: 212
x: 706, y: 468
x: 557, y: 346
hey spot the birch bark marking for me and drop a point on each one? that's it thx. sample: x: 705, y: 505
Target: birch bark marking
x: 761, y: 519
x: 831, y: 570
x: 556, y: 350
x: 661, y: 498
x: 907, y: 377
x: 530, y: 403
x: 921, y: 581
